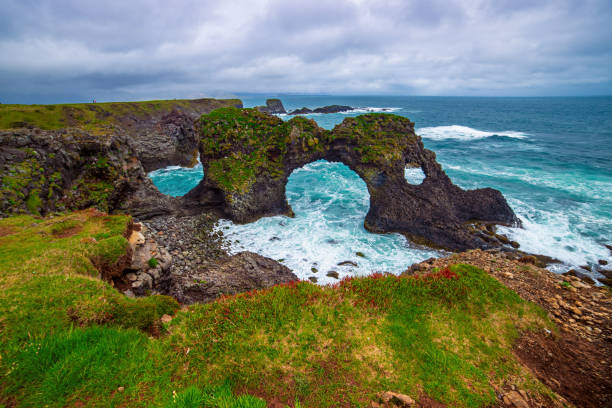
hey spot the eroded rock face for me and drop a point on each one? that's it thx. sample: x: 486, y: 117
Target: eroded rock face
x: 70, y: 169
x: 249, y: 155
x: 101, y: 156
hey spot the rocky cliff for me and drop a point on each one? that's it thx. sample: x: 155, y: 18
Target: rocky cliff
x: 249, y: 155
x: 66, y: 157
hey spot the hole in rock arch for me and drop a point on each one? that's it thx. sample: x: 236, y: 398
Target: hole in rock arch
x: 177, y: 181
x: 330, y: 203
x: 414, y: 175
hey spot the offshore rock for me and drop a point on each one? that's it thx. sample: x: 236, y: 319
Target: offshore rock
x: 324, y: 109
x: 248, y: 156
x: 273, y: 106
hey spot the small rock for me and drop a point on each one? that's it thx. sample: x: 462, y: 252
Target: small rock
x: 605, y: 281
x: 514, y: 399
x: 333, y: 274
x: 349, y: 263
x: 602, y: 262
x: 528, y: 259
x: 396, y: 399
x: 587, y: 268
x: 360, y: 254
x: 121, y: 389
x: 313, y: 279
x: 166, y: 318
x: 131, y: 277
x: 515, y: 244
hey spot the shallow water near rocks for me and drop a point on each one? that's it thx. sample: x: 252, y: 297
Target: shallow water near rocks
x: 550, y: 157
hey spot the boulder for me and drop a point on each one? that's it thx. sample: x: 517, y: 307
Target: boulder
x: 242, y: 272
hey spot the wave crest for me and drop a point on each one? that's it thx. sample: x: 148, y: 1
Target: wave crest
x: 465, y: 133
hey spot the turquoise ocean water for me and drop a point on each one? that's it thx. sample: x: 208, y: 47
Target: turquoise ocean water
x: 551, y: 157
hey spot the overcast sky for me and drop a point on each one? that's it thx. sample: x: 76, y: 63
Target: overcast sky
x: 76, y: 50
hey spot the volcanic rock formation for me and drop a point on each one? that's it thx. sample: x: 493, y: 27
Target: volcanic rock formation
x: 249, y: 155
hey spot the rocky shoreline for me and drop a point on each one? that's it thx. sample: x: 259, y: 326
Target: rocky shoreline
x: 186, y: 258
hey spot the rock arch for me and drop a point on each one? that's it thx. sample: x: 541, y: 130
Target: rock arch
x: 248, y: 156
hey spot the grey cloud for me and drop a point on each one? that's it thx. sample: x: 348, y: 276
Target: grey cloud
x: 69, y: 50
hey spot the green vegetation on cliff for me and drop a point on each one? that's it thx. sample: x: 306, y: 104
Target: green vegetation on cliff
x: 241, y: 144
x: 90, y: 116
x: 70, y: 339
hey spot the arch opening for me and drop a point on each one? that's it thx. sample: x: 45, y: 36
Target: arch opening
x: 176, y: 181
x: 326, y: 239
x: 414, y: 175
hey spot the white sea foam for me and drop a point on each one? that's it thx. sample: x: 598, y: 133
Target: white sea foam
x: 465, y: 133
x: 327, y: 229
x: 371, y: 109
x: 557, y: 235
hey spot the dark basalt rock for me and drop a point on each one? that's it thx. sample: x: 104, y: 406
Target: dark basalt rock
x: 71, y: 169
x: 301, y: 111
x: 324, y: 109
x: 248, y: 157
x: 273, y: 106
x: 242, y: 272
x: 333, y: 109
x: 100, y: 163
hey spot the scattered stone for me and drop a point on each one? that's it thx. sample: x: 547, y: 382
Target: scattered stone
x: 602, y: 262
x: 360, y: 254
x: 166, y: 319
x: 347, y: 263
x: 121, y: 389
x: 313, y: 279
x: 333, y: 274
x: 396, y: 399
x: 606, y: 273
x: 515, y: 244
x: 587, y: 268
x: 314, y: 270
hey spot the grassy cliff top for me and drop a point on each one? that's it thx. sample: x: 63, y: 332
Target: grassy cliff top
x: 69, y: 339
x: 92, y: 116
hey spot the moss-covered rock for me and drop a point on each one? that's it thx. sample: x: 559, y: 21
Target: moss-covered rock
x: 248, y: 156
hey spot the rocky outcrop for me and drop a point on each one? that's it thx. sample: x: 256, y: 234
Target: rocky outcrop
x: 273, y: 106
x: 69, y: 169
x: 98, y: 156
x: 242, y: 272
x: 248, y: 157
x: 324, y: 109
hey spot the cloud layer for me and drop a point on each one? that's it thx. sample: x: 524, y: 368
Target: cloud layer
x: 64, y: 50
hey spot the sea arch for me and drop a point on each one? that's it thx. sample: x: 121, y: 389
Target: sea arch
x: 248, y: 156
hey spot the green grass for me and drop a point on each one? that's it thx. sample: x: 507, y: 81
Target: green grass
x: 68, y: 338
x: 98, y: 117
